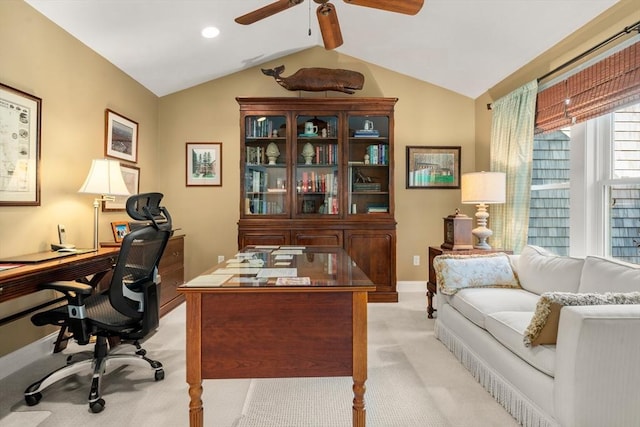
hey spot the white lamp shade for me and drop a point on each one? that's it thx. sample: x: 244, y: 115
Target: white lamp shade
x: 105, y: 178
x: 483, y: 187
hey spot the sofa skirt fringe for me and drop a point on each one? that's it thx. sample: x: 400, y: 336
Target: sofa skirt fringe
x: 517, y: 405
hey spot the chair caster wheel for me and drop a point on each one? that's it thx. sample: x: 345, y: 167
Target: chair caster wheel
x: 33, y: 399
x: 159, y: 375
x: 141, y: 352
x: 97, y: 406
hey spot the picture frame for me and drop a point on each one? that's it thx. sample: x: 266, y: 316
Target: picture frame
x: 120, y: 229
x: 131, y: 177
x: 433, y: 167
x: 120, y: 137
x: 204, y: 164
x: 20, y: 118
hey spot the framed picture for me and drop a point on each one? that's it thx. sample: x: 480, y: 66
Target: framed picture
x: 121, y: 137
x: 20, y: 117
x: 131, y: 176
x: 204, y: 164
x: 433, y: 167
x: 120, y: 229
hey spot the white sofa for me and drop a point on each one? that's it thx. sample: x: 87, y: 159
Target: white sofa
x: 590, y: 377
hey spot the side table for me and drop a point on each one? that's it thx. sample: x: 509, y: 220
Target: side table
x: 434, y: 251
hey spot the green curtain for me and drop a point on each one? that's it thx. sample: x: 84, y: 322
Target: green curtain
x: 512, y: 152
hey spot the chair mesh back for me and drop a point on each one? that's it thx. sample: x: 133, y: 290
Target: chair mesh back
x: 139, y: 257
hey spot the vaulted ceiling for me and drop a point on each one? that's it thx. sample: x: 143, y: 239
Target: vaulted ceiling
x: 466, y: 46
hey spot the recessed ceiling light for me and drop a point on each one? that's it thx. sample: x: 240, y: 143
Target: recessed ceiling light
x: 210, y: 32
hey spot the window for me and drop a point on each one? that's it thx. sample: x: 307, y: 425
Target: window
x: 585, y: 196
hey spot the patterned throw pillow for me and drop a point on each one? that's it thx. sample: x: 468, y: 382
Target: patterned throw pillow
x: 455, y: 272
x: 543, y: 328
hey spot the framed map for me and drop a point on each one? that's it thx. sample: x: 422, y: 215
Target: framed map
x: 19, y: 147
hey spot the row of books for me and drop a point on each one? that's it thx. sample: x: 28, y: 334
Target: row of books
x: 261, y: 206
x: 326, y: 154
x: 378, y: 154
x: 312, y: 182
x: 259, y: 128
x: 364, y: 133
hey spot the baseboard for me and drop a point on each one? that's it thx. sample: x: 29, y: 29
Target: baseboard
x: 411, y: 286
x: 26, y: 355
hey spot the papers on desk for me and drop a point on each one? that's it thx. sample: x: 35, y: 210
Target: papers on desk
x: 282, y: 251
x: 8, y: 266
x: 278, y: 272
x: 208, y: 280
x: 237, y: 270
x: 293, y: 281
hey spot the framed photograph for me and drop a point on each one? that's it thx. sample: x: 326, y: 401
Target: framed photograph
x: 131, y: 176
x: 20, y: 117
x: 120, y: 229
x: 433, y: 167
x: 121, y: 137
x: 204, y: 164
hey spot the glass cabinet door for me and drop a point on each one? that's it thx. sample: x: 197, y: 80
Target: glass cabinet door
x: 316, y: 166
x: 265, y: 165
x: 368, y: 165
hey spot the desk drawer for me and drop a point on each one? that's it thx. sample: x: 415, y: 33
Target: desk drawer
x: 173, y: 256
x: 169, y: 285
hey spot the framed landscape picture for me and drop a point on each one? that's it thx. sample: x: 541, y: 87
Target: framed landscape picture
x: 204, y: 164
x: 433, y: 167
x: 121, y: 137
x: 20, y: 117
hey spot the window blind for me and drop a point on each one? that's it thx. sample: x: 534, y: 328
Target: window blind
x: 601, y: 88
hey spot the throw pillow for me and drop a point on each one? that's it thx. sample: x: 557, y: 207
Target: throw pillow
x: 543, y: 328
x: 541, y: 271
x: 609, y: 275
x: 455, y: 272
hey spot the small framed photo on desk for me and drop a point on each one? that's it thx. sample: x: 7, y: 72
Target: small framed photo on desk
x: 120, y: 229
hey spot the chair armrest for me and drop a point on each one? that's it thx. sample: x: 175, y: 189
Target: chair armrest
x: 597, y: 371
x: 67, y: 287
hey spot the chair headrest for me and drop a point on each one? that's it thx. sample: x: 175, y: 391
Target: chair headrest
x: 146, y: 207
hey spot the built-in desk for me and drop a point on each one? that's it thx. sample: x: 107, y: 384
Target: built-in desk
x: 242, y: 326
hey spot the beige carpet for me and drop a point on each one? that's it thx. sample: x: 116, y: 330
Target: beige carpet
x: 413, y: 381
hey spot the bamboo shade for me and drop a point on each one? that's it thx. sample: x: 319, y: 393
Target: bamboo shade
x: 599, y: 89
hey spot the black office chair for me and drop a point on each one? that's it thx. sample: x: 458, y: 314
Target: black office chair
x: 128, y: 310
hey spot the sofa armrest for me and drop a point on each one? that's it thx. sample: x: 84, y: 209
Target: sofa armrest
x: 597, y: 371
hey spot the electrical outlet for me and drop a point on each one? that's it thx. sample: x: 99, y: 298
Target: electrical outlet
x: 220, y: 258
x: 416, y: 260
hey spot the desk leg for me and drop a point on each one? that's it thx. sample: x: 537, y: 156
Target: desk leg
x: 359, y: 357
x: 431, y: 291
x: 194, y: 360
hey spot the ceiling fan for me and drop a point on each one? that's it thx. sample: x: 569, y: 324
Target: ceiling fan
x: 327, y: 17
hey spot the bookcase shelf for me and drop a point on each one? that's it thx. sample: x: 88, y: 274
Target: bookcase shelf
x: 331, y: 182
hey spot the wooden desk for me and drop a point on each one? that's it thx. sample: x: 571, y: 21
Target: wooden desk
x: 261, y: 330
x: 24, y: 280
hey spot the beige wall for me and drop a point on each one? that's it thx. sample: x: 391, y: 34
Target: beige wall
x: 75, y: 85
x: 425, y: 115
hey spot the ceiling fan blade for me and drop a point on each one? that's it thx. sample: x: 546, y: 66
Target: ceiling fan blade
x: 266, y: 11
x: 408, y: 7
x: 329, y: 26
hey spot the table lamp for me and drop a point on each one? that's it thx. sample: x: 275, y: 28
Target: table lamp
x: 482, y: 188
x: 105, y: 179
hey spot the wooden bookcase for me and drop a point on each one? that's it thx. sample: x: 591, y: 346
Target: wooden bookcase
x: 329, y: 180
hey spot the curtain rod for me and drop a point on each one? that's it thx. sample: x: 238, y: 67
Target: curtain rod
x: 626, y: 30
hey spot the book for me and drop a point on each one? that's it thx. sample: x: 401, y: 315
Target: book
x: 293, y: 281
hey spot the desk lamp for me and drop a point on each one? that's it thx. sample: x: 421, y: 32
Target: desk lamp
x: 482, y: 188
x: 105, y: 179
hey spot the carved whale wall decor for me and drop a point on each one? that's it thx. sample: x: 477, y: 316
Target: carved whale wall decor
x: 318, y: 79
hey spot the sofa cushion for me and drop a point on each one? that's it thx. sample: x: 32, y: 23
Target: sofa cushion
x: 541, y: 271
x: 543, y: 328
x: 608, y: 275
x: 508, y: 328
x: 455, y: 272
x: 476, y: 303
